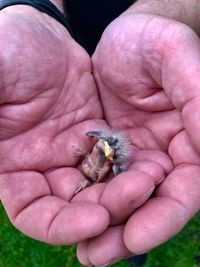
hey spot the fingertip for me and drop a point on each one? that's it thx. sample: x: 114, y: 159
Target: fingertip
x: 82, y: 253
x: 90, y: 194
x: 125, y: 193
x: 155, y: 156
x: 77, y: 222
x: 64, y: 181
x: 153, y: 169
x: 108, y: 248
x: 153, y: 224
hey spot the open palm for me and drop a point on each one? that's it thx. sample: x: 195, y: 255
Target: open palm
x: 48, y: 102
x: 147, y: 71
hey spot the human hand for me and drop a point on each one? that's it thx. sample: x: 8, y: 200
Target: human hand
x: 48, y: 102
x: 147, y: 71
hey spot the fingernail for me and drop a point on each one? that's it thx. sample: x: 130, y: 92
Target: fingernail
x: 138, y: 202
x: 160, y: 180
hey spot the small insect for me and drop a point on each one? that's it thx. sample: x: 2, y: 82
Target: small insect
x: 111, y: 152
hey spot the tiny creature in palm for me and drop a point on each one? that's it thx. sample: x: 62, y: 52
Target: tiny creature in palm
x: 110, y: 152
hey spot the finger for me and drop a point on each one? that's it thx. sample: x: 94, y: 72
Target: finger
x: 125, y: 193
x: 177, y: 200
x: 110, y: 244
x: 62, y: 223
x: 151, y: 168
x: 37, y: 213
x: 90, y: 194
x: 82, y: 253
x: 19, y: 189
x: 64, y: 182
x: 138, y: 186
x: 154, y: 156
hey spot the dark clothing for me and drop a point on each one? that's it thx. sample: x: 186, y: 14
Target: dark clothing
x: 89, y: 18
x: 45, y: 6
x: 85, y: 20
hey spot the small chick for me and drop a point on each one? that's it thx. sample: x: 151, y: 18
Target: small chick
x: 110, y: 152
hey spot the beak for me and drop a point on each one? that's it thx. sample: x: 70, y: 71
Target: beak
x: 108, y: 151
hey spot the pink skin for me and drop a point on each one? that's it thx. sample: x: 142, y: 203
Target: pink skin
x: 147, y: 71
x: 49, y: 101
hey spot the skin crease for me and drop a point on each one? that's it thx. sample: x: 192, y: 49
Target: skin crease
x: 44, y: 115
x: 142, y: 73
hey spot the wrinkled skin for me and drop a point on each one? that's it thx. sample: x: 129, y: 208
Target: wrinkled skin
x: 48, y: 102
x: 147, y: 69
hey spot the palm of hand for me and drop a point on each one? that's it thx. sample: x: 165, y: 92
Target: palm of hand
x: 42, y: 120
x: 146, y: 89
x: 48, y: 102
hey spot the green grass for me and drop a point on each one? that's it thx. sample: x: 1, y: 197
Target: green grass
x: 17, y: 250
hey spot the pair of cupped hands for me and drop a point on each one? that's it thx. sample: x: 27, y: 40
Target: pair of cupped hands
x: 143, y: 79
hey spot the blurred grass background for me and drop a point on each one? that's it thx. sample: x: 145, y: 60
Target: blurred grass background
x: 17, y: 250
